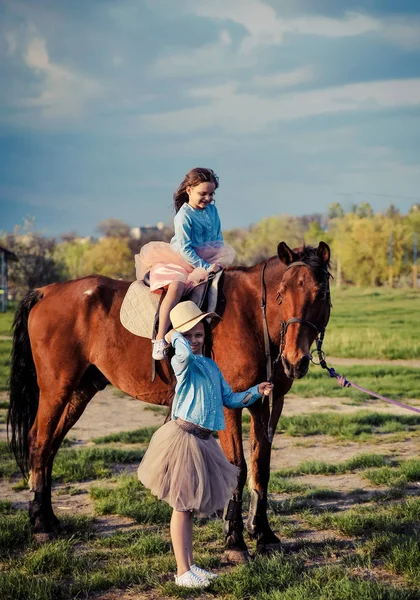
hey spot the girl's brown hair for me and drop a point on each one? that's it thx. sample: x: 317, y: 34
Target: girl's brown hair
x: 192, y: 178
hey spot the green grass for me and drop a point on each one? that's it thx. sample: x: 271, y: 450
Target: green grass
x: 130, y: 499
x: 136, y: 436
x: 374, y: 324
x: 394, y: 382
x: 288, y: 578
x: 8, y: 466
x: 402, y: 517
x: 399, y: 554
x: 5, y: 349
x: 407, y: 471
x: 91, y: 463
x: 357, y: 463
x: 6, y: 320
x: 347, y: 426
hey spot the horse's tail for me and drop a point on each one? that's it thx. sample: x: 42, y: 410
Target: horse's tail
x: 24, y: 390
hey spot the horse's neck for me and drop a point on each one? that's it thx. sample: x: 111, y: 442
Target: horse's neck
x: 244, y: 292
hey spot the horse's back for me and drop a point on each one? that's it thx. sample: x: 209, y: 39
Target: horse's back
x: 71, y: 308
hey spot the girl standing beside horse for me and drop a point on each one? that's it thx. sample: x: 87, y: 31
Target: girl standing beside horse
x: 196, y: 249
x: 184, y: 465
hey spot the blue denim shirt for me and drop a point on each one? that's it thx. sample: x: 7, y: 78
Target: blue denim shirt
x: 201, y: 390
x: 195, y: 227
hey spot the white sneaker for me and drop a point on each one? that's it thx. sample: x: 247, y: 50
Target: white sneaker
x: 203, y: 573
x: 191, y: 580
x: 159, y: 348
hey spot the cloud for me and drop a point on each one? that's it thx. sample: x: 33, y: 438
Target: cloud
x: 64, y: 92
x: 11, y: 43
x: 228, y: 110
x: 216, y: 58
x: 287, y: 79
x: 265, y: 27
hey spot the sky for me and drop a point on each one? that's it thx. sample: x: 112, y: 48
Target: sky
x: 106, y: 104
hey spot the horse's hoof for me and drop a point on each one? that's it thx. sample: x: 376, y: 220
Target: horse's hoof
x: 237, y: 557
x: 43, y: 538
x: 266, y: 549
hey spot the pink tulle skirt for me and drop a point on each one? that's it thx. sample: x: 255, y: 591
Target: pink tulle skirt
x: 167, y: 265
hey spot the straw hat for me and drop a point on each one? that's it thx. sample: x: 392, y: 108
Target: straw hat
x: 187, y: 314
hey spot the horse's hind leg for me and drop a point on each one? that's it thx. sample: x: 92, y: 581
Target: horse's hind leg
x: 72, y: 413
x: 52, y: 404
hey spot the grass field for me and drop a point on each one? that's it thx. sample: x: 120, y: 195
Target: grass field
x: 374, y: 324
x: 336, y: 546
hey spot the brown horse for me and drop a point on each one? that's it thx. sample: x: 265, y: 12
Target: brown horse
x: 69, y: 343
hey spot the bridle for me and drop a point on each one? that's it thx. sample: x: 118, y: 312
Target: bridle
x: 271, y: 365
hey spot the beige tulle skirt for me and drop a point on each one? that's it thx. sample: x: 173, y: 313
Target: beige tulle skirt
x: 187, y: 472
x: 166, y: 265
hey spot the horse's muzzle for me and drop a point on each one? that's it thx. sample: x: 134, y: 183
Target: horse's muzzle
x: 298, y: 370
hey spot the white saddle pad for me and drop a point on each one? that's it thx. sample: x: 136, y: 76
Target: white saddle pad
x: 138, y: 310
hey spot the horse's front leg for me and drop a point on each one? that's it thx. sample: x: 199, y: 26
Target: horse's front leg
x: 257, y: 524
x: 233, y: 526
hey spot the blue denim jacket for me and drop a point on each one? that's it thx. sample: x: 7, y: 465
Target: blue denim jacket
x: 196, y: 227
x: 201, y: 390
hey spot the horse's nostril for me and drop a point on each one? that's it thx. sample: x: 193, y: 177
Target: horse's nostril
x: 303, y: 364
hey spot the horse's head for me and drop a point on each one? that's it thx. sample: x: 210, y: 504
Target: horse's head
x: 305, y: 303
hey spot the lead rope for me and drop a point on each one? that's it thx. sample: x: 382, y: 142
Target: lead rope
x: 269, y: 434
x: 343, y: 382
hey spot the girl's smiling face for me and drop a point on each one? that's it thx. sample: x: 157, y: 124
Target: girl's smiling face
x: 200, y: 196
x: 195, y: 337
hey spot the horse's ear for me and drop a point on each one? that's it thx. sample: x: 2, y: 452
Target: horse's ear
x: 323, y: 251
x: 285, y: 254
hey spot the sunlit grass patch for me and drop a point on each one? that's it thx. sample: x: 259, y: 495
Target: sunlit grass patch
x: 8, y: 466
x: 137, y: 436
x: 407, y: 471
x: 14, y: 532
x: 401, y: 517
x: 387, y: 324
x: 62, y: 569
x: 6, y: 320
x: 5, y: 349
x: 287, y: 578
x: 346, y: 426
x: 5, y: 507
x: 130, y: 499
x: 399, y: 554
x: 91, y: 463
x: 317, y: 467
x: 4, y: 405
x: 279, y: 484
x: 161, y: 410
x: 137, y: 543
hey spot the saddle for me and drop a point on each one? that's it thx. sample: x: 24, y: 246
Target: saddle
x: 140, y: 308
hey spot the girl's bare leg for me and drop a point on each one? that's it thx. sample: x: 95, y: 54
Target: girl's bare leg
x: 181, y: 536
x: 172, y: 297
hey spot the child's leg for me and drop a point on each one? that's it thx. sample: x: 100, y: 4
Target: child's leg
x: 172, y: 297
x: 181, y: 535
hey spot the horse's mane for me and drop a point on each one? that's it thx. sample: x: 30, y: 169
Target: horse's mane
x: 308, y: 255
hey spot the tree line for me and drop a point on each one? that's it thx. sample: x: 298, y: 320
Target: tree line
x: 360, y: 241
